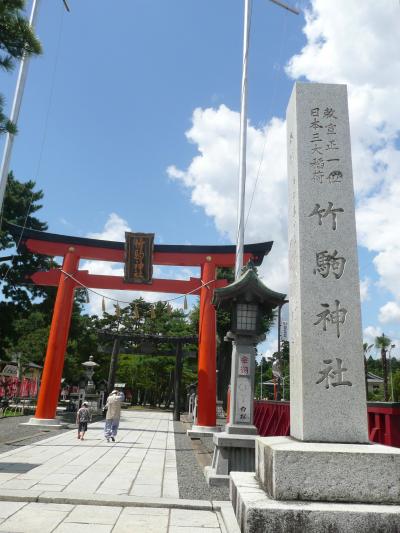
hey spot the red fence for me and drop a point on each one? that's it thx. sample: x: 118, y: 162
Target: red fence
x: 273, y: 419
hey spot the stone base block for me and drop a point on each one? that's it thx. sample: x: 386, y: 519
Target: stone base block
x: 231, y: 452
x: 293, y: 470
x: 257, y: 513
x: 241, y: 429
x: 215, y: 480
x: 48, y: 423
x: 202, y: 431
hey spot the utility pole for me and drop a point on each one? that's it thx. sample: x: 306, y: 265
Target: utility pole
x: 16, y: 106
x: 177, y: 382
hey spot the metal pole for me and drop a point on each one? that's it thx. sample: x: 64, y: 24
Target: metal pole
x: 242, y: 144
x: 278, y: 392
x: 113, y: 365
x: 177, y: 382
x: 16, y: 106
x: 243, y: 133
x: 261, y: 381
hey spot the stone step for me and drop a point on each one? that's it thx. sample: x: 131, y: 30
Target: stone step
x: 256, y: 513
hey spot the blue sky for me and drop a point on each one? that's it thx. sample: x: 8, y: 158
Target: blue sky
x: 130, y: 120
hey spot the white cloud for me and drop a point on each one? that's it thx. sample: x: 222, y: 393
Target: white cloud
x: 347, y: 42
x: 212, y: 177
x: 267, y: 348
x: 357, y: 43
x: 364, y: 289
x: 390, y: 312
x: 114, y: 229
x: 370, y: 333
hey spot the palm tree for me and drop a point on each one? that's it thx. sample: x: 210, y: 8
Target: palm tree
x: 382, y: 343
x: 366, y: 348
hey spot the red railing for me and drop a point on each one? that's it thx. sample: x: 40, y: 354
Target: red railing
x: 384, y: 423
x: 273, y: 419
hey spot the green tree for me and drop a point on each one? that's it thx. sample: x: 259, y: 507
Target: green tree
x: 263, y: 366
x: 396, y: 386
x: 31, y: 337
x: 150, y: 375
x: 366, y: 349
x: 20, y: 204
x: 382, y: 342
x: 22, y: 201
x: 16, y: 39
x: 283, y: 358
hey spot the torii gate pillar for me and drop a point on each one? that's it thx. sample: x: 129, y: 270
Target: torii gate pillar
x: 57, y: 345
x: 206, y: 390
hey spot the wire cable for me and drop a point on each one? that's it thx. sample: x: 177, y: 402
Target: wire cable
x: 129, y: 302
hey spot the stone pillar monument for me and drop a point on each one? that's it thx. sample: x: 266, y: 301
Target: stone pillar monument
x: 327, y: 385
x: 315, y: 479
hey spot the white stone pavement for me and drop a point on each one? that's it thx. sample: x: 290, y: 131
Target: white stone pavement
x: 130, y: 485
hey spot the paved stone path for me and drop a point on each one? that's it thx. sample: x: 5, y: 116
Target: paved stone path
x: 62, y: 484
x: 141, y: 463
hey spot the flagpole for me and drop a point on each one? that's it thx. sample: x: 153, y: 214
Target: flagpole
x: 16, y: 106
x: 242, y: 143
x: 243, y: 132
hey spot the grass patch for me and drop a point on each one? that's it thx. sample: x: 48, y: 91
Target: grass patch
x: 8, y: 414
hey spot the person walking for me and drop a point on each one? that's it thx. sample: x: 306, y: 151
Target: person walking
x: 113, y: 408
x: 83, y: 416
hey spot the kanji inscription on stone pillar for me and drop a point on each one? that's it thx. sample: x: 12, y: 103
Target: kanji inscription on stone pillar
x: 327, y: 385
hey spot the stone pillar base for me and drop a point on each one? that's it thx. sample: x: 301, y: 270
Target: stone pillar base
x: 289, y: 469
x: 47, y: 423
x: 255, y: 511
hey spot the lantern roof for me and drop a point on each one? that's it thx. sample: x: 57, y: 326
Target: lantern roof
x: 248, y: 288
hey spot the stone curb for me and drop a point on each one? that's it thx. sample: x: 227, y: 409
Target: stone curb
x: 228, y: 515
x: 223, y: 507
x: 18, y: 495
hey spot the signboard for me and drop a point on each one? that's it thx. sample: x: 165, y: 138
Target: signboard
x: 244, y: 365
x: 284, y: 334
x: 138, y: 257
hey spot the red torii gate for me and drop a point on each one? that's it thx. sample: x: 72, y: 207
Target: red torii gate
x: 73, y: 249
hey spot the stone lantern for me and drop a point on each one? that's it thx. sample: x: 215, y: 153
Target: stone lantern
x: 89, y: 371
x: 248, y: 301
